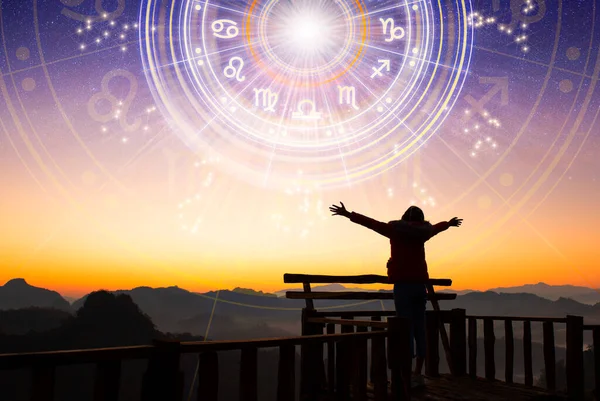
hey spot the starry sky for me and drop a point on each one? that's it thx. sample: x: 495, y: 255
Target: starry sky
x: 99, y: 190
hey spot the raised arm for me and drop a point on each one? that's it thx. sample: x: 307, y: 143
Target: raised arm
x: 444, y: 225
x: 388, y: 230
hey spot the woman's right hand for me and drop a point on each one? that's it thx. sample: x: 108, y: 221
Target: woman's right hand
x: 455, y: 222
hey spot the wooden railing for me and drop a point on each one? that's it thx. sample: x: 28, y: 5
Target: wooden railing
x: 163, y: 380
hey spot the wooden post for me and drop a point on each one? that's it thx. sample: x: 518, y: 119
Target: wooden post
x: 309, y: 302
x: 489, y: 340
x: 432, y: 356
x: 399, y: 358
x: 473, y: 347
x: 285, y: 373
x: 596, y: 337
x: 442, y: 327
x: 163, y: 380
x: 331, y: 360
x: 42, y: 381
x: 458, y: 341
x: 342, y: 380
x: 527, y: 353
x: 379, y: 365
x: 360, y: 384
x: 248, y: 374
x: 509, y: 344
x: 107, y: 381
x: 208, y: 376
x: 549, y: 356
x: 312, y: 369
x: 575, y: 383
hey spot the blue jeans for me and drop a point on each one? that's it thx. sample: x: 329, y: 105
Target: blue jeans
x: 410, y: 301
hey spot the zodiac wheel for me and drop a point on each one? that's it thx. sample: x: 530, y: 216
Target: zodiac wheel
x: 340, y: 91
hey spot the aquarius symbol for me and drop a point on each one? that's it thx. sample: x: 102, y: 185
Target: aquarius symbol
x: 118, y: 108
x: 269, y: 98
x: 102, y: 13
x: 350, y: 93
x: 231, y: 31
x: 312, y: 115
x: 230, y: 71
x: 377, y: 71
x: 395, y: 32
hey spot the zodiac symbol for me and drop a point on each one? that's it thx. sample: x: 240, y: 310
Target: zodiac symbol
x: 516, y: 7
x: 350, y: 93
x: 231, y: 31
x: 102, y: 13
x: 500, y: 86
x: 269, y: 98
x: 395, y: 32
x: 377, y: 71
x: 118, y: 108
x: 230, y: 71
x: 313, y: 114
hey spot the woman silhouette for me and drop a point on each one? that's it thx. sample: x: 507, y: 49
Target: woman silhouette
x: 407, y: 267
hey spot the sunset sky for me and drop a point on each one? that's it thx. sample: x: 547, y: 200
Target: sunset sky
x: 89, y: 203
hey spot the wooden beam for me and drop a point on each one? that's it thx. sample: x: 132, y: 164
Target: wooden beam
x: 286, y: 390
x: 107, y: 381
x: 356, y: 295
x: 361, y: 279
x: 509, y: 345
x: 331, y: 360
x: 43, y: 377
x: 458, y: 341
x: 309, y: 301
x: 549, y: 356
x: 489, y: 340
x: 527, y: 353
x: 432, y: 350
x: 596, y: 339
x: 248, y: 374
x: 208, y: 376
x: 472, y: 347
x: 575, y: 383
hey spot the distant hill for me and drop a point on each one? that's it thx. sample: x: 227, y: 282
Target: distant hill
x: 554, y: 292
x: 18, y: 294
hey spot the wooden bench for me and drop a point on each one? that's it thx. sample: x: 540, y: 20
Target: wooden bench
x: 307, y: 294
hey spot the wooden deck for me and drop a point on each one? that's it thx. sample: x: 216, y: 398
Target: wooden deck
x: 448, y: 388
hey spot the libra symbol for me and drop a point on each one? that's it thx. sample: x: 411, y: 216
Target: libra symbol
x: 313, y: 114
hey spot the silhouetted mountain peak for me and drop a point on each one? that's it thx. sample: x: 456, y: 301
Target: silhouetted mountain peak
x: 18, y: 294
x: 16, y: 282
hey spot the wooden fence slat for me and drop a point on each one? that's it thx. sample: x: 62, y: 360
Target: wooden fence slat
x: 163, y: 379
x: 575, y: 383
x: 208, y: 376
x: 489, y: 340
x: 378, y: 373
x: 42, y: 388
x: 331, y: 360
x: 509, y: 357
x: 286, y: 390
x: 596, y: 339
x: 107, y: 381
x: 341, y: 368
x: 472, y: 347
x: 399, y: 358
x: 432, y: 333
x: 549, y: 355
x: 458, y: 341
x: 309, y: 302
x: 360, y: 386
x: 527, y: 353
x: 248, y: 374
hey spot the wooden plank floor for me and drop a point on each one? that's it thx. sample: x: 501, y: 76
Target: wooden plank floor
x: 447, y: 388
